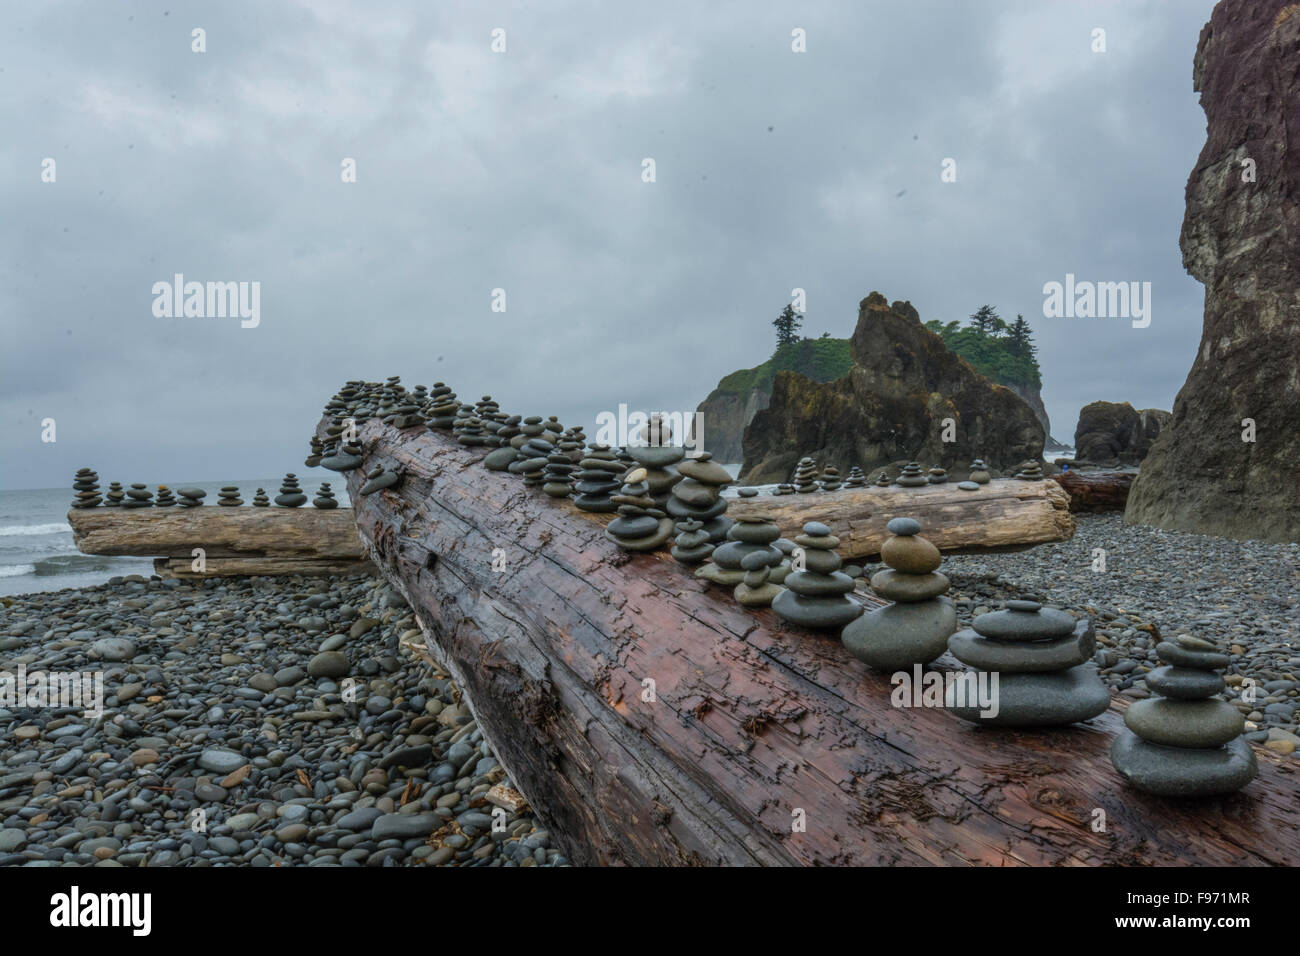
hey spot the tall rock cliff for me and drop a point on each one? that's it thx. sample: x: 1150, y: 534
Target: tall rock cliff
x: 890, y: 407
x: 1241, y: 237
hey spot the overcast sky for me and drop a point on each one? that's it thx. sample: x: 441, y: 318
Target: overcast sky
x: 522, y: 171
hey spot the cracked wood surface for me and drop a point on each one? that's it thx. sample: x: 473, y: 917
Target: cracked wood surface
x: 752, y: 721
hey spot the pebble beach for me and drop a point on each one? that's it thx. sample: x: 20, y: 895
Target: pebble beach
x: 228, y: 701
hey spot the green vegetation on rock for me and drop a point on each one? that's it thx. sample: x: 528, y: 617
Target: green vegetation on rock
x: 822, y: 360
x: 1000, y: 352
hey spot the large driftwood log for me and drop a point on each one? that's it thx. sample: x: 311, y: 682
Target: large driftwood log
x: 652, y: 720
x: 1004, y: 515
x: 235, y: 541
x: 1096, y: 491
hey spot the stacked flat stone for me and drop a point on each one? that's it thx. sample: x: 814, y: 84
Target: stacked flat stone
x: 830, y: 480
x: 340, y: 455
x: 469, y: 431
x: 260, y: 500
x: 805, y: 476
x: 596, y: 479
x: 317, y: 453
x: 883, y: 480
x: 856, y: 478
x: 753, y: 533
x: 697, y: 493
x: 290, y: 495
x: 640, y: 525
x: 324, y: 499
x: 406, y: 411
x: 229, y: 496
x: 531, y: 455
x: 377, y: 478
x: 86, y: 485
x: 912, y: 476
x: 557, y: 477
x: 138, y: 496
x: 191, y: 497
x: 1185, y: 743
x: 652, y: 449
x: 937, y: 476
x: 574, y: 439
x: 1030, y: 471
x: 758, y: 589
x: 916, y: 627
x: 691, y: 544
x: 979, y: 472
x: 1042, y: 657
x: 816, y: 593
x: 785, y: 488
x: 113, y: 499
x: 440, y: 413
x: 165, y: 499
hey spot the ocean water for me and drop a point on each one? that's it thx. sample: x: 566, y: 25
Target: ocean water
x: 36, y: 549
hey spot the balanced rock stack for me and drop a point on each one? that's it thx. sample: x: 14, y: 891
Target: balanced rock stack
x: 937, y: 476
x: 758, y: 589
x: 640, y: 525
x: 697, y: 493
x: 1185, y: 743
x: 324, y: 499
x: 260, y: 500
x: 113, y: 499
x: 830, y: 480
x: 138, y: 496
x: 557, y: 476
x: 912, y: 476
x: 442, y: 407
x: 340, y: 455
x: 1030, y: 471
x: 785, y: 488
x: 817, y: 590
x: 653, y: 450
x: 916, y: 627
x: 377, y: 478
x: 805, y: 476
x: 191, y: 497
x: 883, y: 480
x: 86, y: 485
x: 290, y: 495
x: 1042, y: 659
x: 979, y: 472
x: 531, y: 453
x: 406, y: 410
x: 691, y: 544
x: 469, y: 431
x: 856, y: 478
x: 229, y: 496
x: 596, y: 479
x: 754, y: 533
x: 317, y: 453
x: 165, y: 499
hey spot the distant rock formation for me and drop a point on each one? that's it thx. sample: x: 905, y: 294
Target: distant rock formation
x: 1115, y: 433
x: 1241, y: 237
x: 890, y: 407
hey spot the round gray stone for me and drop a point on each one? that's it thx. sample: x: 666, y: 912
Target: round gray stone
x: 1184, y: 723
x: 903, y: 527
x: 1180, y: 772
x: 1039, y: 700
x: 1018, y: 624
x: 1185, y: 683
x: 900, y: 635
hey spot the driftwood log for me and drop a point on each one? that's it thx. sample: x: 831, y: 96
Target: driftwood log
x: 235, y: 541
x: 1004, y: 515
x: 651, y: 720
x: 1096, y: 491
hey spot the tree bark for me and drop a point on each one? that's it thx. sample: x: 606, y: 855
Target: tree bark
x: 652, y: 720
x: 1096, y: 491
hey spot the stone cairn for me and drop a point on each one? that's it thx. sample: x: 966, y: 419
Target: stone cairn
x: 557, y: 477
x: 653, y: 450
x: 191, y: 497
x: 1185, y: 743
x: 317, y: 453
x: 916, y: 627
x: 596, y: 479
x: 324, y: 499
x: 937, y: 476
x: 1030, y: 471
x: 805, y: 476
x: 817, y: 590
x: 830, y: 480
x: 640, y: 525
x: 785, y: 488
x: 697, y: 493
x: 470, y: 431
x: 260, y: 500
x: 883, y: 480
x: 1042, y: 657
x: 229, y: 496
x: 754, y: 533
x: 758, y: 589
x: 912, y: 476
x: 856, y: 478
x: 376, y: 478
x: 290, y: 495
x: 979, y: 472
x: 440, y: 413
x: 113, y: 499
x: 138, y: 496
x: 533, y: 445
x: 86, y: 485
x: 340, y: 455
x: 165, y: 499
x: 691, y: 544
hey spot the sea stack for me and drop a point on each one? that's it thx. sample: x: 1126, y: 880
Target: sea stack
x: 1185, y: 743
x: 640, y: 525
x: 1041, y: 658
x: 979, y: 472
x: 912, y: 476
x: 138, y: 496
x: 229, y: 496
x: 290, y: 495
x: 324, y: 499
x: 596, y: 479
x: 165, y: 499
x: 191, y: 497
x: 805, y: 476
x: 113, y: 499
x: 86, y: 485
x: 697, y: 493
x: 817, y: 590
x: 260, y: 500
x: 916, y: 627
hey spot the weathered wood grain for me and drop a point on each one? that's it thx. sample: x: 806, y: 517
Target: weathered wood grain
x: 246, y: 567
x: 244, y: 532
x: 1096, y: 492
x: 752, y: 725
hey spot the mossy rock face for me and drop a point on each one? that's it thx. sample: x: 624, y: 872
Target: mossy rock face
x: 890, y: 407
